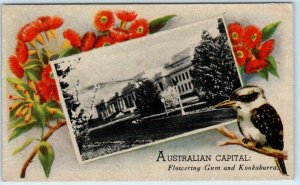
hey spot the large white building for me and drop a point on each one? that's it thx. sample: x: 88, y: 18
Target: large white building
x: 175, y: 73
x: 178, y: 73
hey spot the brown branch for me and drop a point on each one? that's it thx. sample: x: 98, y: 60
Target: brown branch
x: 49, y: 126
x: 236, y: 140
x: 35, y: 150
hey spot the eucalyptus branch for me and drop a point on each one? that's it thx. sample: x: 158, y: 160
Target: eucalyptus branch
x: 35, y: 150
x: 236, y: 140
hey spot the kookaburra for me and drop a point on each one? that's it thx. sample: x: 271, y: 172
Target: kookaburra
x: 258, y: 121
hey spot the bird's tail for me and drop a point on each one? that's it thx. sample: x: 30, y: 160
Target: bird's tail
x: 281, y: 166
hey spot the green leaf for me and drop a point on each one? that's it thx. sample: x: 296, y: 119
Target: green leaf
x: 18, y: 131
x: 157, y: 24
x: 21, y: 124
x: 16, y: 122
x: 40, y: 114
x: 272, y: 68
x: 23, y: 146
x: 44, y: 57
x: 264, y: 74
x: 68, y: 52
x: 46, y: 156
x: 15, y: 81
x: 51, y: 103
x: 32, y: 64
x: 34, y: 74
x: 54, y: 57
x: 55, y: 113
x: 241, y: 69
x: 268, y: 31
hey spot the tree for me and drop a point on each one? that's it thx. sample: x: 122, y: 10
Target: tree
x: 171, y: 97
x: 77, y: 117
x: 148, y: 100
x: 214, y: 71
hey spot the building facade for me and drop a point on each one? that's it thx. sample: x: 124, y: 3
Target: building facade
x: 175, y: 73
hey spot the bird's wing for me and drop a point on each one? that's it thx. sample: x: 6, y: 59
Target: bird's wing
x: 267, y: 121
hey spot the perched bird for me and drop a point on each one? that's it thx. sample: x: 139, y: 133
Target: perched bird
x: 258, y: 121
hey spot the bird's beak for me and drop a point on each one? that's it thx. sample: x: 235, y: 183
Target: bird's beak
x: 224, y: 104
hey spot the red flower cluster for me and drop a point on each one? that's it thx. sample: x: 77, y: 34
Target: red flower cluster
x: 29, y: 33
x: 42, y: 24
x: 104, y: 21
x: 248, y: 47
x: 46, y: 87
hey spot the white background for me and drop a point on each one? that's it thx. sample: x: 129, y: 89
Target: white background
x: 256, y: 20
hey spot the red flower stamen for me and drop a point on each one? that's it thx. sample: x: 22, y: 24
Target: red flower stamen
x: 29, y: 32
x: 255, y: 65
x: 104, y: 41
x: 37, y: 26
x: 22, y: 52
x: 73, y: 37
x: 46, y: 87
x: 236, y: 32
x: 20, y: 33
x: 56, y: 22
x: 15, y: 67
x: 104, y: 20
x: 47, y: 75
x: 266, y: 49
x: 126, y: 16
x: 88, y: 41
x: 241, y: 54
x: 139, y: 28
x: 45, y: 22
x: 44, y: 90
x: 119, y: 35
x: 252, y: 36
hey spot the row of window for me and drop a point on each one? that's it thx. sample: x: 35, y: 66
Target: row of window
x: 185, y: 87
x: 182, y: 76
x: 127, y: 102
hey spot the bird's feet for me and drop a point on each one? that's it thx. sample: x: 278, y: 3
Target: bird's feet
x: 246, y: 141
x: 258, y: 145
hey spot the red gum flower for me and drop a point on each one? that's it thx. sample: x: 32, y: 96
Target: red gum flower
x: 236, y: 32
x: 104, y: 20
x: 104, y: 41
x: 73, y: 37
x: 49, y: 23
x: 126, y: 16
x: 20, y: 33
x: 28, y: 33
x: 241, y: 54
x: 139, y: 28
x: 56, y: 22
x: 37, y: 26
x: 47, y: 91
x: 45, y: 22
x: 252, y: 36
x: 119, y: 35
x: 255, y: 65
x: 88, y: 41
x: 47, y: 87
x: 15, y: 66
x: 47, y: 75
x: 22, y: 52
x: 266, y: 49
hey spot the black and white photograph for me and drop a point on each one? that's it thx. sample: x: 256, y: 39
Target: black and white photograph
x: 148, y: 90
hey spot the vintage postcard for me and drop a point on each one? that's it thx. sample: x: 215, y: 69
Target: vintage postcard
x: 147, y: 92
x: 114, y: 106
